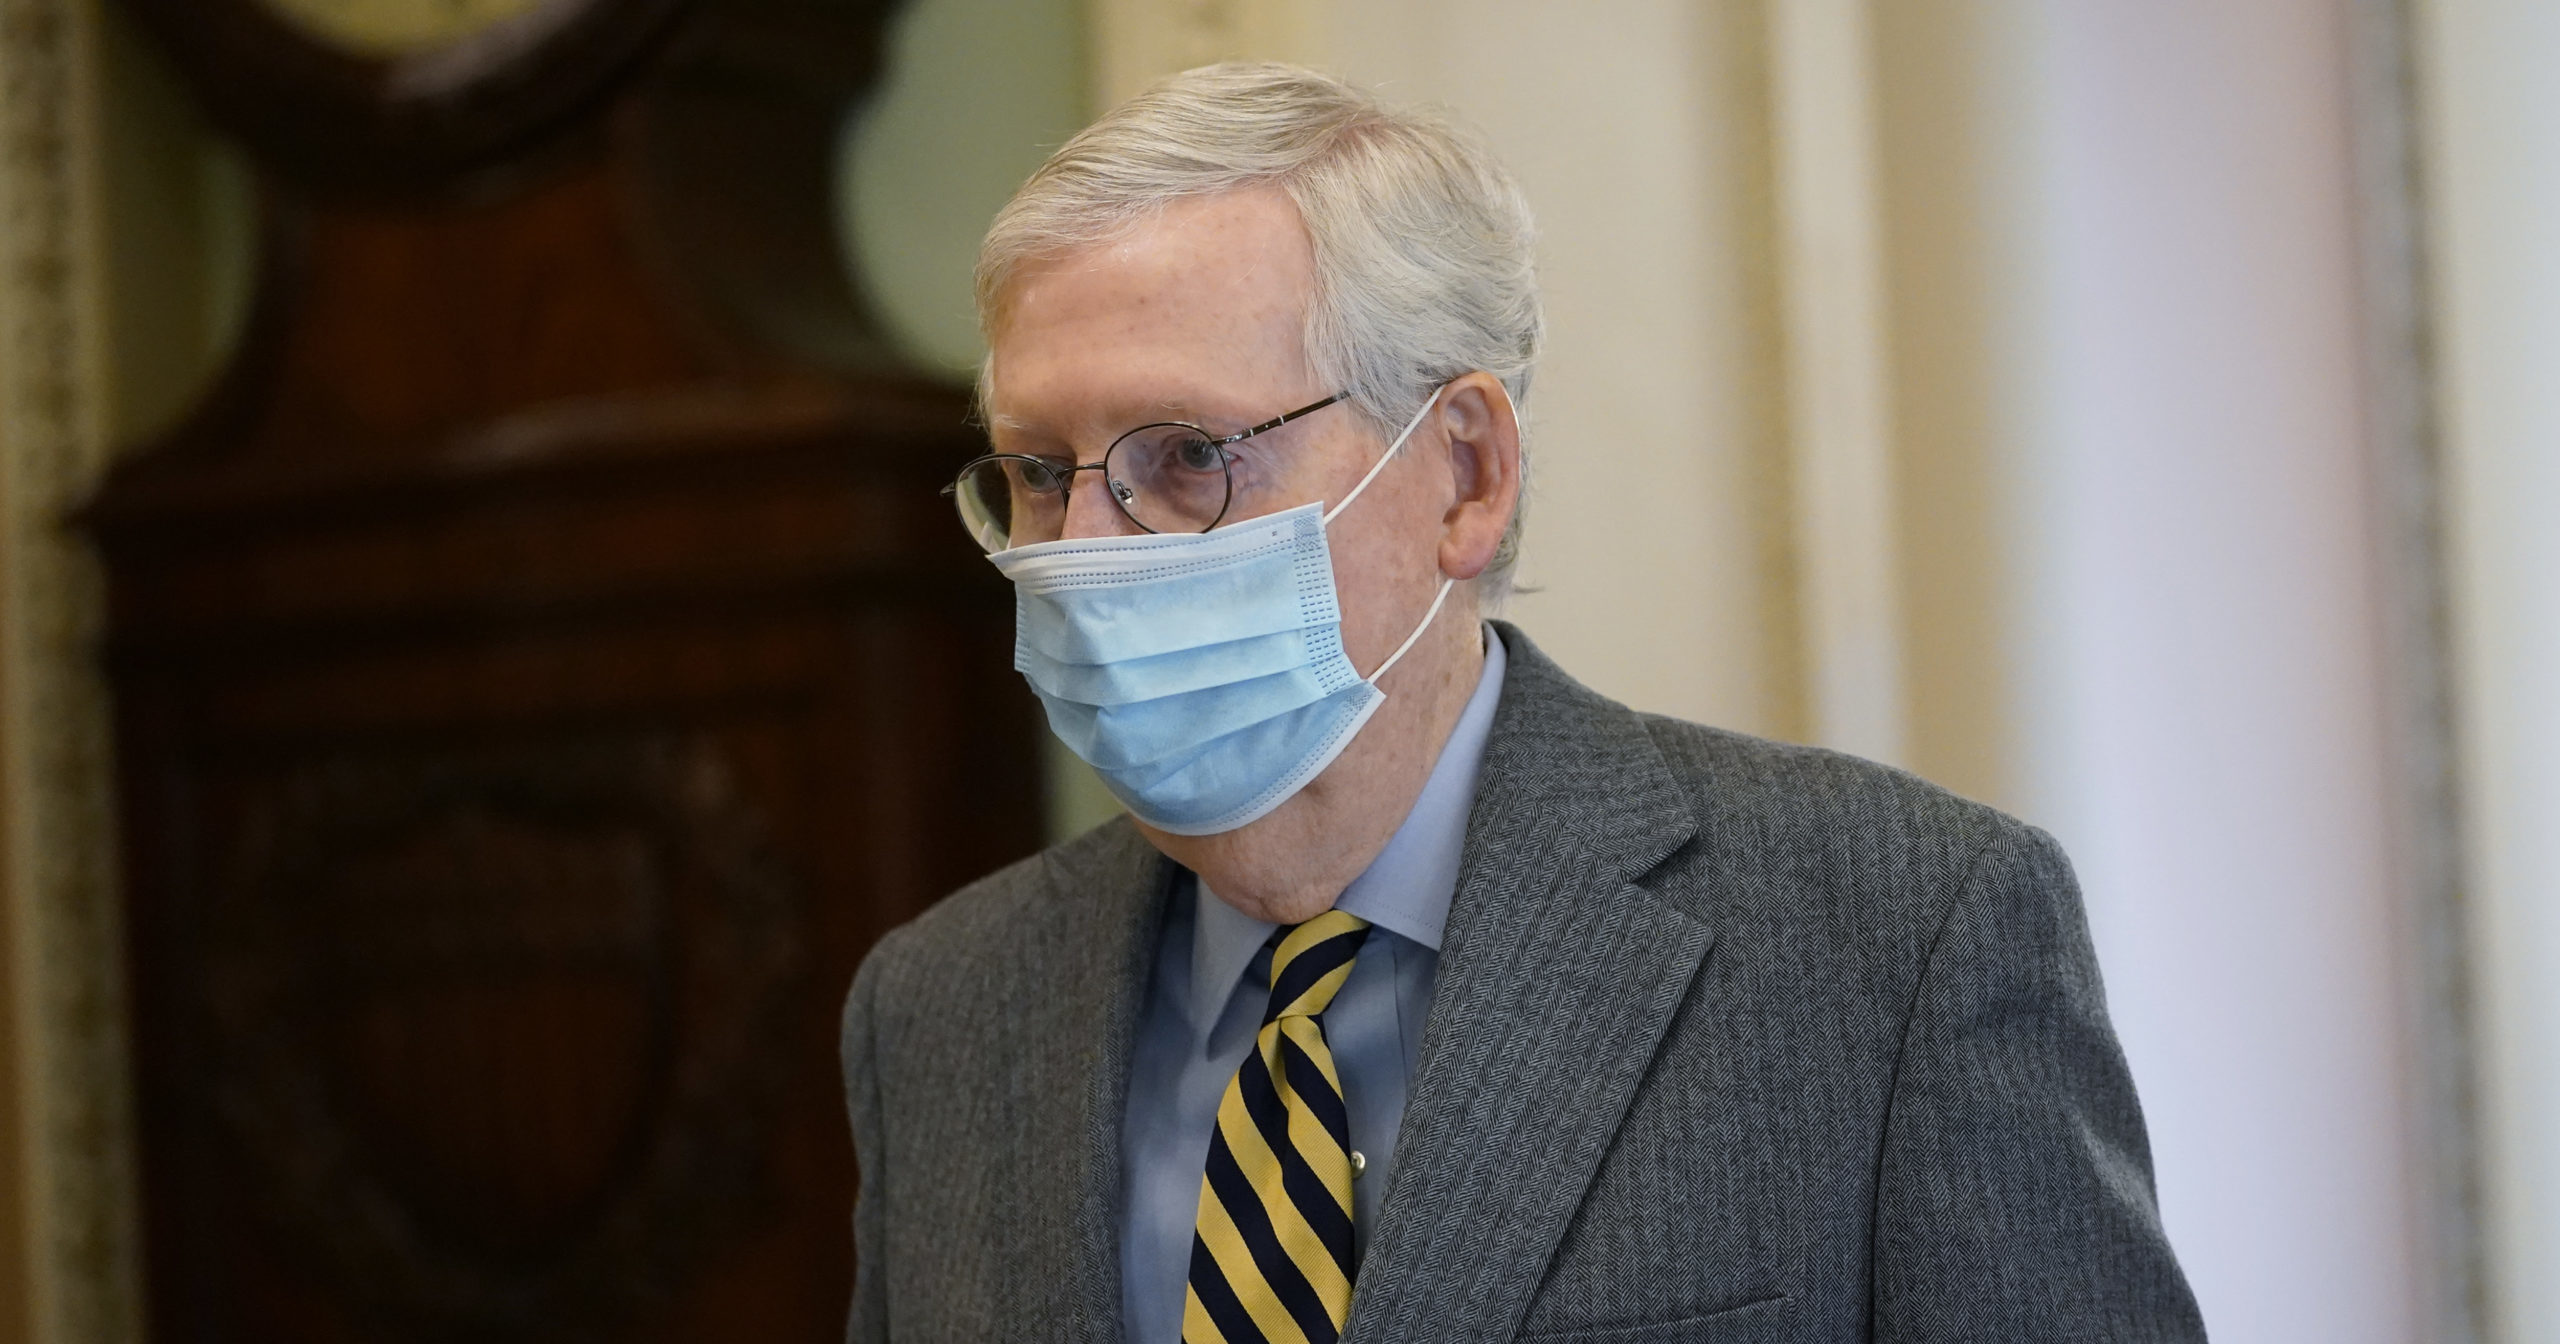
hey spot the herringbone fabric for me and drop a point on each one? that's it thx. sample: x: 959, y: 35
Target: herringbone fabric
x: 1271, y: 1259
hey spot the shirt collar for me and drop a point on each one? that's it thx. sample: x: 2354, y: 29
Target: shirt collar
x: 1405, y: 890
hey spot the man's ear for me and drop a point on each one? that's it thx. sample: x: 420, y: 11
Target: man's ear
x: 1482, y: 430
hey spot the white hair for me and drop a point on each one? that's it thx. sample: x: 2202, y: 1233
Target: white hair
x: 1423, y: 243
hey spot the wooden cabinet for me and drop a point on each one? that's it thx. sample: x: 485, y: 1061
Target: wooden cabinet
x: 542, y: 669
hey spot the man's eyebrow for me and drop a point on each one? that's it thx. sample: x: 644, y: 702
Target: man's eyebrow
x: 1134, y: 414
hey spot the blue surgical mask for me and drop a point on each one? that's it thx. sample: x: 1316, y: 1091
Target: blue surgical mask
x: 1201, y: 675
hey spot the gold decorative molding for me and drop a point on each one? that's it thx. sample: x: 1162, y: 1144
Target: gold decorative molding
x: 57, y: 881
x: 2406, y: 446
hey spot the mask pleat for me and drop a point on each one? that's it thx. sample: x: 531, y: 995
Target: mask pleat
x: 1142, y: 679
x: 1225, y: 782
x: 1120, y: 737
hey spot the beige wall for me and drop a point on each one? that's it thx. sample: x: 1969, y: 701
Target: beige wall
x: 1657, y: 548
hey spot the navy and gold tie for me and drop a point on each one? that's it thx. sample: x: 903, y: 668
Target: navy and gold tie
x: 1271, y: 1256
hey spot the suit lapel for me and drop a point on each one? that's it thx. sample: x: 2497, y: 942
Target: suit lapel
x: 1558, y: 976
x: 1110, y: 901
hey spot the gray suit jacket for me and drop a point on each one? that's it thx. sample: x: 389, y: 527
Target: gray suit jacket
x: 1731, y: 1041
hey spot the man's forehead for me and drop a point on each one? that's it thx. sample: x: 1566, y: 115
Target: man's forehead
x: 1242, y: 253
x: 1200, y: 305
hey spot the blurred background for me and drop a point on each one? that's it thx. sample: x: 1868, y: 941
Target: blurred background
x: 481, y: 655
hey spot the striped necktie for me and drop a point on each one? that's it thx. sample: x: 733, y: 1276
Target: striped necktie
x: 1271, y: 1256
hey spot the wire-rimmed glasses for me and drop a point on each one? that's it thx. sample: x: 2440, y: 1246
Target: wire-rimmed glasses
x: 1170, y: 476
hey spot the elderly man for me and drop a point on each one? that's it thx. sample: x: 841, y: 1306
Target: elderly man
x: 1423, y: 993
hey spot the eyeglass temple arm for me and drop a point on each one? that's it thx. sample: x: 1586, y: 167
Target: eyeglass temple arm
x: 1279, y: 420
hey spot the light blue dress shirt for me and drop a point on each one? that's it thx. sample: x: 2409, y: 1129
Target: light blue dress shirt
x: 1206, y: 1000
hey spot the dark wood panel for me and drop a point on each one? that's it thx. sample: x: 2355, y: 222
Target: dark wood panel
x: 542, y: 669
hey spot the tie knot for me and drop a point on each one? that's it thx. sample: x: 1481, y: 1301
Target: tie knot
x: 1311, y: 961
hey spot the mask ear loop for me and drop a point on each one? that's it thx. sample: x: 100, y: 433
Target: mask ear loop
x: 1427, y: 618
x: 1386, y: 457
x: 1445, y: 584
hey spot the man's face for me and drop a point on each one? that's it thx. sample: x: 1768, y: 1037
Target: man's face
x: 1199, y: 315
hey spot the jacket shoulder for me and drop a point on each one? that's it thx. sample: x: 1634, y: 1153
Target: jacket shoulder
x: 1816, y: 848
x: 1785, y: 790
x: 1029, y: 914
x: 1759, y: 806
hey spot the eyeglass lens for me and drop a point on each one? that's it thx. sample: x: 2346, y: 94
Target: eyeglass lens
x: 1165, y: 478
x: 1169, y: 478
x: 1011, y: 501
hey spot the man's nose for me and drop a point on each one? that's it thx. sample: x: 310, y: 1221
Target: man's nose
x: 1091, y: 512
